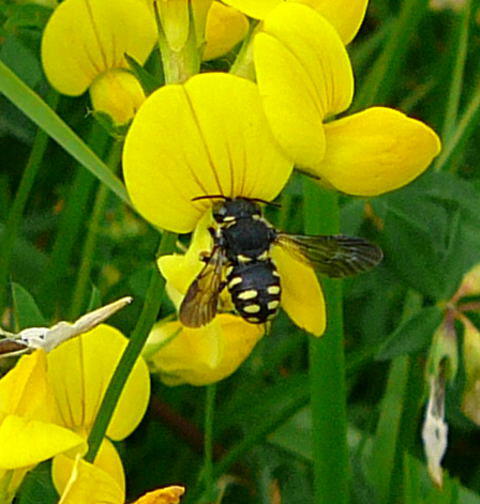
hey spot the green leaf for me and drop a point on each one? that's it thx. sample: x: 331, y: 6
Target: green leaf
x: 40, y: 113
x: 27, y: 312
x: 148, y: 81
x: 412, y: 335
x: 38, y: 487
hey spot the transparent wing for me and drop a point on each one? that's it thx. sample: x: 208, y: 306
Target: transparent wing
x: 199, y: 306
x: 335, y: 256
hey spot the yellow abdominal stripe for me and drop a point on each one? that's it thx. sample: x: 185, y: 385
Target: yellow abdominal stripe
x: 248, y: 294
x: 253, y: 308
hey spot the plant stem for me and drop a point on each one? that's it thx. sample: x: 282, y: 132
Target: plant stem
x: 71, y: 221
x: 153, y: 301
x: 327, y: 367
x: 91, y: 240
x: 14, y: 219
x: 208, y: 453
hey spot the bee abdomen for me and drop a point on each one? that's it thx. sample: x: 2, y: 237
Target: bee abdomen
x: 255, y: 290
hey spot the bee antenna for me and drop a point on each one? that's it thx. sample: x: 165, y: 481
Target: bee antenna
x: 269, y: 203
x: 211, y: 196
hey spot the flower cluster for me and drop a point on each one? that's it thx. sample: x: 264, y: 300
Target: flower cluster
x: 194, y: 139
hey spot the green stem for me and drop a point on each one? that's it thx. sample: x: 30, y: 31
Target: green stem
x: 72, y: 220
x: 137, y: 340
x: 178, y: 66
x: 92, y: 235
x: 383, y: 75
x: 456, y: 84
x: 327, y: 366
x: 465, y: 127
x: 208, y: 454
x: 14, y: 219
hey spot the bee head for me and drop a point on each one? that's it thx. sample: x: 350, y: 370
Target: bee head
x: 231, y: 210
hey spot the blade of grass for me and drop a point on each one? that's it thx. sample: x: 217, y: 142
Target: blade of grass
x: 47, y: 119
x: 465, y: 127
x: 15, y: 215
x: 153, y: 301
x: 88, y: 250
x: 72, y: 221
x: 380, y: 81
x: 327, y: 366
x: 456, y: 83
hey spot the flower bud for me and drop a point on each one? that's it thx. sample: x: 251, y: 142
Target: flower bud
x: 471, y: 357
x: 118, y: 94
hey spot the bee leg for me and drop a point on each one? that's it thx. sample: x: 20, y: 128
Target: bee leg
x: 205, y: 256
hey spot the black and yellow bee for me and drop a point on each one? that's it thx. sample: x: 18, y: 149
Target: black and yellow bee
x: 242, y: 240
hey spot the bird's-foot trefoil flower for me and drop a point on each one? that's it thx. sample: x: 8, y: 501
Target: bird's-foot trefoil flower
x: 305, y: 77
x: 84, y: 46
x: 80, y: 371
x: 205, y: 147
x: 29, y: 432
x: 89, y: 483
x: 345, y: 15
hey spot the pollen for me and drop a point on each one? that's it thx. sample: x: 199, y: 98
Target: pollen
x: 248, y: 294
x: 235, y: 281
x: 274, y: 289
x: 243, y: 258
x: 253, y: 308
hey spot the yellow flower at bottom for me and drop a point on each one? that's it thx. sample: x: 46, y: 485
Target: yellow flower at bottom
x: 80, y: 371
x: 90, y: 484
x: 29, y: 433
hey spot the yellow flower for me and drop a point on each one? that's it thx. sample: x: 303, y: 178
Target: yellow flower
x: 90, y: 484
x: 80, y: 371
x: 345, y: 15
x: 226, y: 27
x: 84, y: 46
x: 304, y: 76
x: 203, y: 146
x: 201, y: 356
x: 28, y: 431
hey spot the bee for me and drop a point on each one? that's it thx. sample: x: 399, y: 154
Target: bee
x: 242, y: 239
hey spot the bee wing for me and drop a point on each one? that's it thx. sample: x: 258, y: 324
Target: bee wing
x: 335, y: 255
x: 199, y: 305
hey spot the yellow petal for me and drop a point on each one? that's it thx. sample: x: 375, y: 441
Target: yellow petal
x: 206, y: 137
x: 181, y: 269
x: 205, y: 355
x: 80, y: 371
x: 107, y: 461
x: 167, y: 495
x: 345, y: 15
x: 376, y: 151
x: 257, y: 9
x: 89, y: 483
x: 200, y: 10
x: 302, y: 296
x: 117, y: 93
x: 24, y: 389
x: 226, y: 27
x: 304, y: 75
x: 28, y: 442
x: 84, y: 38
x: 175, y: 22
